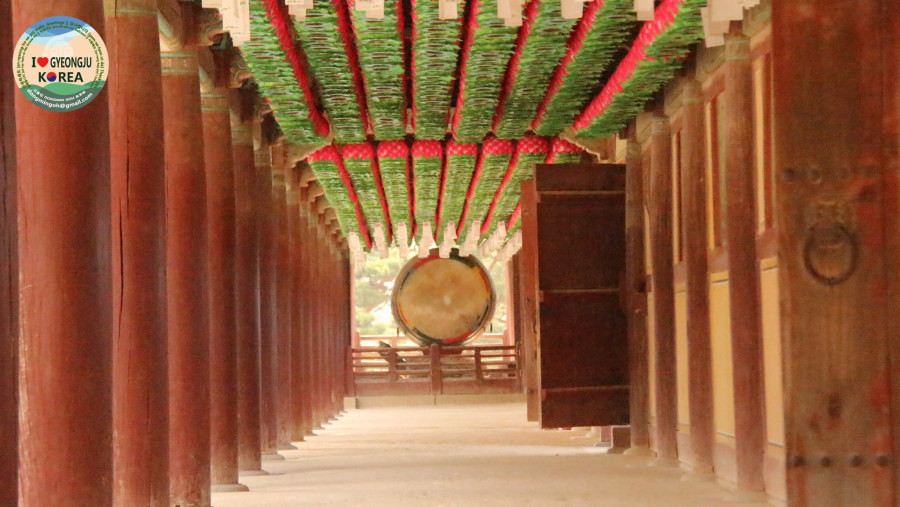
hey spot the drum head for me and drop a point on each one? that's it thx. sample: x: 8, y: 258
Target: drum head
x: 444, y: 301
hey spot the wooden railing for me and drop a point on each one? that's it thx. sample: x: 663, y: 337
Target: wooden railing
x: 432, y: 370
x: 368, y: 340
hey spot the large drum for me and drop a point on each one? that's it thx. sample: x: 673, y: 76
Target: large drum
x: 444, y: 301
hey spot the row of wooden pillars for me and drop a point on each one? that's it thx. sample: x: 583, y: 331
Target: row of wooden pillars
x: 175, y: 300
x: 650, y: 189
x: 836, y: 212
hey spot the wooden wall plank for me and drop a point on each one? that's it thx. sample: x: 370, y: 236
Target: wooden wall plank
x: 528, y: 273
x: 694, y: 197
x: 891, y: 132
x: 744, y: 280
x: 636, y: 297
x: 660, y: 207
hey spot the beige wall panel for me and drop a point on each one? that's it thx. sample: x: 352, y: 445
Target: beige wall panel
x: 772, y: 355
x: 723, y: 377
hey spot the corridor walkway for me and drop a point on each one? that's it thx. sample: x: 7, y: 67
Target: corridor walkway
x: 461, y: 456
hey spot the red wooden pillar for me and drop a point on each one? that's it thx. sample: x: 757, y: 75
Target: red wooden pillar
x: 308, y: 309
x: 891, y: 88
x: 65, y: 297
x: 301, y: 369
x: 327, y: 323
x: 636, y: 294
x: 9, y: 334
x: 317, y: 318
x: 140, y: 397
x: 338, y: 327
x: 663, y: 288
x: 220, y: 179
x: 836, y: 157
x: 518, y: 318
x: 296, y: 259
x: 303, y: 396
x: 312, y: 319
x: 283, y: 304
x: 349, y: 328
x: 267, y: 301
x: 700, y: 377
x: 187, y: 268
x: 331, y: 327
x: 509, y: 334
x: 348, y: 312
x: 436, y: 373
x: 321, y: 320
x: 355, y: 340
x: 311, y: 305
x: 746, y: 311
x: 341, y: 336
x: 335, y: 328
x: 247, y: 290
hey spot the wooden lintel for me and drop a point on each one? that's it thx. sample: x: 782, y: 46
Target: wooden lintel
x: 209, y: 26
x: 172, y: 25
x: 314, y: 191
x: 297, y: 152
x: 599, y: 147
x: 321, y: 205
x: 306, y: 177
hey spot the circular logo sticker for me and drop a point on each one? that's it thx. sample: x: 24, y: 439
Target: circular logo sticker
x: 60, y: 63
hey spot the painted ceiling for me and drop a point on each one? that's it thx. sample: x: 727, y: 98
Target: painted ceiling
x: 423, y: 119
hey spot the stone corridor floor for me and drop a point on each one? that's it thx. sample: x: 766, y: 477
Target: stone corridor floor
x: 471, y: 455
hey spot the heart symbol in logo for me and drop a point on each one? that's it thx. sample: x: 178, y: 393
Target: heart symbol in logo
x: 43, y: 61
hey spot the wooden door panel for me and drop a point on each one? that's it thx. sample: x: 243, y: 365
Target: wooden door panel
x: 528, y: 297
x: 596, y: 406
x: 578, y: 349
x: 574, y: 254
x: 577, y: 230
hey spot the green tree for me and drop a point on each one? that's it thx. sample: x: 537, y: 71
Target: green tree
x: 374, y: 283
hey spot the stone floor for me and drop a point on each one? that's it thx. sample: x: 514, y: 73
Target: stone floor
x: 469, y: 455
